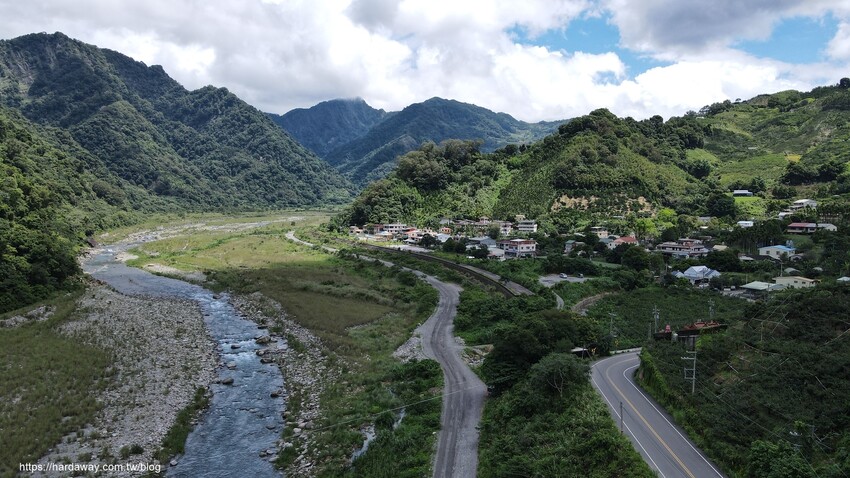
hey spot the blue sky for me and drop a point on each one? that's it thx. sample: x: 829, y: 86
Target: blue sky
x: 534, y: 59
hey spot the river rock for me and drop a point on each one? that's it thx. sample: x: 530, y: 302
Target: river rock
x: 231, y: 365
x: 263, y: 340
x: 227, y: 381
x: 235, y: 346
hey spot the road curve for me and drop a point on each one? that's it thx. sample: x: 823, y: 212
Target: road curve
x: 463, y: 391
x: 662, y: 444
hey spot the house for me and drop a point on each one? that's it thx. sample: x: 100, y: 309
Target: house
x: 474, y: 242
x: 699, y: 274
x: 355, y: 231
x: 683, y: 248
x: 745, y: 224
x: 776, y: 252
x: 442, y: 237
x: 809, y: 227
x: 518, y: 247
x: 383, y: 236
x: 526, y: 226
x: 803, y: 203
x: 795, y: 282
x: 742, y: 193
x: 571, y: 244
x: 395, y: 228
x: 495, y: 253
x: 758, y: 289
x: 843, y: 279
x: 601, y: 232
x: 622, y: 240
x: 719, y: 247
x: 445, y: 230
x: 801, y: 228
x: 505, y: 228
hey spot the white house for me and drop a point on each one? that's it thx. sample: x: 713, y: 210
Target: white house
x: 776, y: 252
x: 698, y: 274
x: 795, y: 282
x: 745, y: 224
x: 803, y: 203
x: 742, y: 193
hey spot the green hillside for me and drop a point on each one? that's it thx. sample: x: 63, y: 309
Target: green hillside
x: 52, y: 195
x: 781, y: 146
x: 329, y: 124
x: 597, y: 156
x: 373, y: 155
x: 204, y: 148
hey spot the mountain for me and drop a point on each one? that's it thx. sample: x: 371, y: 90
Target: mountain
x: 597, y: 167
x: 329, y: 124
x: 204, y: 148
x: 370, y: 153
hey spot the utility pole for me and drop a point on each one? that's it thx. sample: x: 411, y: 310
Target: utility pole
x: 655, y: 315
x: 710, y: 309
x: 691, y: 372
x: 621, y: 417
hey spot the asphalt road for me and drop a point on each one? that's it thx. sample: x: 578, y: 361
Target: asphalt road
x: 663, y: 445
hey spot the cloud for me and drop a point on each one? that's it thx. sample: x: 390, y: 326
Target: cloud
x: 282, y: 54
x: 839, y: 47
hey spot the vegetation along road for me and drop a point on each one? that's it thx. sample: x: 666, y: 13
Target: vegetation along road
x: 463, y: 392
x: 663, y: 445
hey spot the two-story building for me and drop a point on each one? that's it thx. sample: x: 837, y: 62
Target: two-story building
x: 518, y: 247
x: 684, y: 248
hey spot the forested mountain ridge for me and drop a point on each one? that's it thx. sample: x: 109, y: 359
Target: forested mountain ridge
x: 330, y: 124
x: 780, y: 146
x: 91, y: 139
x: 370, y: 153
x: 205, y: 148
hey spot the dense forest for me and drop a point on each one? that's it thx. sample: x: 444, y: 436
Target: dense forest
x: 363, y: 143
x: 204, y: 148
x: 91, y: 139
x: 781, y: 146
x: 51, y: 198
x: 771, y: 391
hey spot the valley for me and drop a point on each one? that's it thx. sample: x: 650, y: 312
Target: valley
x: 197, y: 286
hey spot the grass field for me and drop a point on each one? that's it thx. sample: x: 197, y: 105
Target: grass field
x: 362, y: 311
x: 46, y: 386
x: 751, y: 207
x: 769, y: 167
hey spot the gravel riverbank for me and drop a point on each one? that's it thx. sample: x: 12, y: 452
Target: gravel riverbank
x: 162, y: 354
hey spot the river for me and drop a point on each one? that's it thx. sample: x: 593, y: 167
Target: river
x: 243, y: 419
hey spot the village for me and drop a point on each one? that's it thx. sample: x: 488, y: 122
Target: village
x: 686, y: 259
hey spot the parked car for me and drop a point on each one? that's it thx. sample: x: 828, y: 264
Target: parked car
x: 562, y: 275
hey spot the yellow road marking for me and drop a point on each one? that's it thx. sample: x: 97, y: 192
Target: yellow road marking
x: 660, y: 440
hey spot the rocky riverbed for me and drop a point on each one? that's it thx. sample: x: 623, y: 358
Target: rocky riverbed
x: 162, y: 354
x: 306, y: 369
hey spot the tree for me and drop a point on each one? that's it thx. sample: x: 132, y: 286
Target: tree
x: 721, y: 205
x: 428, y: 241
x: 844, y: 83
x: 558, y: 372
x: 636, y: 258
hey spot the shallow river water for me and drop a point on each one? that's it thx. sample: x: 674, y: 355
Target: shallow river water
x: 243, y: 419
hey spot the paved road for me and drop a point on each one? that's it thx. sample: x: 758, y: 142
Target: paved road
x: 663, y: 445
x: 463, y: 391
